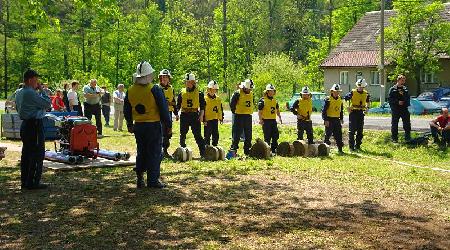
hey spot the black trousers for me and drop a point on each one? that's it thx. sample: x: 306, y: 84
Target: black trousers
x: 404, y: 115
x: 437, y: 136
x: 166, y: 135
x: 79, y: 109
x: 187, y: 120
x: 335, y: 129
x: 95, y: 110
x: 33, y: 152
x: 148, y: 140
x: 355, y: 126
x: 106, y: 110
x: 271, y: 133
x: 242, y: 123
x: 305, y: 126
x: 211, y: 129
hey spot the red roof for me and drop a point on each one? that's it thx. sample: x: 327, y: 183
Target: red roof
x: 353, y: 59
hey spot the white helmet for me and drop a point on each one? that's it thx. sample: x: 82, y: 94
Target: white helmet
x: 305, y: 90
x: 189, y: 77
x: 245, y: 85
x: 213, y: 85
x: 165, y: 72
x: 361, y: 83
x: 252, y: 85
x: 270, y: 87
x: 336, y: 87
x: 143, y: 69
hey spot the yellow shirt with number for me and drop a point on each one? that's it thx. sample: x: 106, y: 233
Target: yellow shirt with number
x: 190, y: 100
x: 269, y: 111
x: 334, y: 109
x: 359, y: 100
x: 213, y: 108
x: 305, y: 109
x: 244, y: 105
x: 168, y: 93
x: 143, y: 103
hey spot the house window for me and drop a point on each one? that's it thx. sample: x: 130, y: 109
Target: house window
x: 343, y: 79
x: 426, y: 77
x: 374, y: 78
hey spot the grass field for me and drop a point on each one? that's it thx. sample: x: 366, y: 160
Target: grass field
x: 340, y: 202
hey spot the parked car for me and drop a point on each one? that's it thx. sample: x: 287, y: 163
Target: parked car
x: 418, y: 107
x: 318, y: 100
x: 435, y: 94
x: 444, y: 101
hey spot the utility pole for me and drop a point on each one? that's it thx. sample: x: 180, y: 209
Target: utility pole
x: 381, y: 67
x: 330, y: 32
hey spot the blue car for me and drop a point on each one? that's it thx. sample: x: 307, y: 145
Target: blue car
x: 417, y: 107
x: 318, y: 100
x: 435, y: 94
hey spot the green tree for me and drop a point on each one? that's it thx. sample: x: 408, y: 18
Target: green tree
x: 417, y: 36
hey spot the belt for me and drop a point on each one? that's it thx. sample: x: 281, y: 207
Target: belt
x: 189, y: 110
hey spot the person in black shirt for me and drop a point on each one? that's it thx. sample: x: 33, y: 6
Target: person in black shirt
x: 399, y: 101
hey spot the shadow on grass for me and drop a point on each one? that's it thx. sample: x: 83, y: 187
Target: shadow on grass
x: 101, y: 209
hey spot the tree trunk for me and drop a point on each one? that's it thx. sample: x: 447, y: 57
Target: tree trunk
x: 5, y: 48
x: 100, y: 55
x: 417, y: 72
x: 224, y: 44
x: 82, y: 41
x: 330, y: 34
x: 117, y: 52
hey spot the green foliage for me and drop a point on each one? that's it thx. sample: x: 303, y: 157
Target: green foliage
x: 109, y: 38
x: 417, y: 36
x: 279, y: 70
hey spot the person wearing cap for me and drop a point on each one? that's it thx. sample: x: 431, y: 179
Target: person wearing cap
x: 268, y: 110
x: 118, y: 98
x: 399, y: 102
x: 213, y: 114
x: 440, y: 128
x: 303, y: 108
x: 92, y: 96
x: 359, y: 103
x: 333, y: 116
x: 191, y: 102
x: 106, y: 104
x: 57, y: 101
x: 241, y: 106
x: 169, y: 93
x: 145, y: 108
x: 32, y: 102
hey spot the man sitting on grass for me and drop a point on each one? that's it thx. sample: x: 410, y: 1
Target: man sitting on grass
x: 440, y: 128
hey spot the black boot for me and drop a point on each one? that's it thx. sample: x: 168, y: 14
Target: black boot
x: 166, y: 154
x: 140, y: 180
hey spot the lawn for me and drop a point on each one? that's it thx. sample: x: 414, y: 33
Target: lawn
x: 340, y: 202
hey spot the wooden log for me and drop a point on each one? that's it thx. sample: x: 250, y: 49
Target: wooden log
x: 285, y: 149
x: 300, y: 148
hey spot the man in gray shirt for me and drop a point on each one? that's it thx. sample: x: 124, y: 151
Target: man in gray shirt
x: 31, y: 103
x: 92, y: 95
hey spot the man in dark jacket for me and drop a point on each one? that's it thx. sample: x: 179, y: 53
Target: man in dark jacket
x: 399, y: 101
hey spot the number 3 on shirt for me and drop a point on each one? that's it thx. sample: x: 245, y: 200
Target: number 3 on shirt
x: 190, y: 104
x: 272, y: 110
x: 247, y: 104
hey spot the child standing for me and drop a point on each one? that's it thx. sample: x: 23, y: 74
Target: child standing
x: 302, y: 108
x: 191, y: 101
x: 268, y: 110
x: 213, y: 114
x: 333, y: 116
